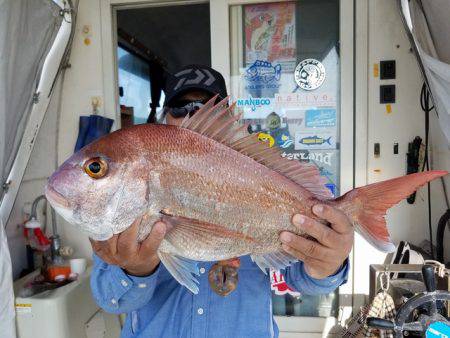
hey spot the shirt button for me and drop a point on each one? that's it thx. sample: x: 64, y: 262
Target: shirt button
x: 124, y: 282
x: 200, y: 311
x: 202, y: 270
x: 113, y: 301
x: 142, y: 285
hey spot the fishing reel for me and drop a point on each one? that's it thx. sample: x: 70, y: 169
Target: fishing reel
x: 428, y: 324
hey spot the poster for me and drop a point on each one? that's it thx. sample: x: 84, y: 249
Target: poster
x: 270, y: 34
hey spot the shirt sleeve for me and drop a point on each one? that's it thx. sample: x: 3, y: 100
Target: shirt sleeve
x: 117, y: 292
x: 297, y: 278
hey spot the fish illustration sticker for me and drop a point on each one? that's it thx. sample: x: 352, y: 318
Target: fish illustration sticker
x: 263, y: 72
x: 263, y: 78
x: 309, y: 74
x: 314, y: 140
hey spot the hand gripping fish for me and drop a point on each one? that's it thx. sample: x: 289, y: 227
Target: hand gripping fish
x: 221, y: 191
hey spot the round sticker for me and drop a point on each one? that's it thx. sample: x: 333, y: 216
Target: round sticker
x: 309, y: 74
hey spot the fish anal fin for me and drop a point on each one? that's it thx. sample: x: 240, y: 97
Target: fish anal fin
x: 182, y: 269
x: 218, y: 122
x: 277, y: 260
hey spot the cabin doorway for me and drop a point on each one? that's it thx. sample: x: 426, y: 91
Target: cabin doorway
x: 153, y: 42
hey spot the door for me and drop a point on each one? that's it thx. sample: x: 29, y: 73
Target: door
x: 289, y: 67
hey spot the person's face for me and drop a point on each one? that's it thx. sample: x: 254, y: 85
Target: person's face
x: 187, y: 97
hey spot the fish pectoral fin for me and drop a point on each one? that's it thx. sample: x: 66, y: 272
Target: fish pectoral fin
x: 194, y: 229
x: 182, y: 269
x: 277, y: 260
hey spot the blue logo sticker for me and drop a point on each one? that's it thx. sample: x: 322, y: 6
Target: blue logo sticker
x: 284, y: 140
x: 332, y: 188
x: 438, y: 330
x: 263, y: 78
x: 263, y: 72
x: 320, y: 118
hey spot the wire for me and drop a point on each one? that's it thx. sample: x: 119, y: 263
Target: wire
x: 425, y: 105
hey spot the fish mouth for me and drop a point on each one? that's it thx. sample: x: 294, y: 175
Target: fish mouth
x: 55, y: 198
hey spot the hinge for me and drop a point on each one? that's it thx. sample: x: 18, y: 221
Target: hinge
x: 65, y: 11
x: 5, y: 186
x: 36, y: 97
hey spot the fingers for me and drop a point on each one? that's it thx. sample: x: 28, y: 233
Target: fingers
x: 339, y: 221
x: 306, y: 247
x: 324, y: 234
x: 101, y: 249
x: 127, y: 242
x: 152, y: 242
x: 301, y: 256
x: 112, y: 244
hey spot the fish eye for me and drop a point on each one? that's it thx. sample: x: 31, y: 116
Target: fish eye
x: 96, y: 167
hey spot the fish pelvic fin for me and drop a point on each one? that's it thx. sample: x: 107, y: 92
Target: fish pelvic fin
x: 367, y: 206
x: 277, y: 260
x: 182, y: 269
x: 220, y: 123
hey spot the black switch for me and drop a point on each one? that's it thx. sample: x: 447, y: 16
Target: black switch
x: 387, y: 94
x: 376, y: 150
x: 395, y: 148
x: 387, y: 70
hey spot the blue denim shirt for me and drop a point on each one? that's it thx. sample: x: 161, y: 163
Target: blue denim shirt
x: 158, y: 306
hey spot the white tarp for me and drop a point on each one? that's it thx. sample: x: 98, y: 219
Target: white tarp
x: 27, y: 31
x: 428, y: 24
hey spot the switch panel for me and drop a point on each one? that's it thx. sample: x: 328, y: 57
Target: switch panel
x: 387, y: 70
x: 387, y: 94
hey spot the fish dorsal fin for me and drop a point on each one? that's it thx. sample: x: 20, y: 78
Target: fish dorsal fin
x: 218, y: 122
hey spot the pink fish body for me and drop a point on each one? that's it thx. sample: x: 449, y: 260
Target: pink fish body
x: 222, y: 192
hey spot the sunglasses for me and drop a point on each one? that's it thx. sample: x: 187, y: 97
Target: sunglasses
x: 185, y: 108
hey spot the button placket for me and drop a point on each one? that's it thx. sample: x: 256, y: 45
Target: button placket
x: 199, y: 305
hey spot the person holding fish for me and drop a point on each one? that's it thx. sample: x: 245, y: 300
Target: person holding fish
x: 163, y: 202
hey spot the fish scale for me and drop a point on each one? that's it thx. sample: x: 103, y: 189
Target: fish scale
x: 222, y: 192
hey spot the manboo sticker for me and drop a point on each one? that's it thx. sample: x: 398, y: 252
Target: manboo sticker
x: 253, y: 103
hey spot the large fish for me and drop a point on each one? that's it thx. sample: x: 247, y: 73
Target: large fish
x: 222, y: 192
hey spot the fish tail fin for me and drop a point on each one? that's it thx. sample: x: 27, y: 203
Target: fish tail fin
x: 367, y: 206
x: 328, y: 140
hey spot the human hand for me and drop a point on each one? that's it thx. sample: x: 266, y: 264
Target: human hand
x: 324, y: 257
x: 124, y: 250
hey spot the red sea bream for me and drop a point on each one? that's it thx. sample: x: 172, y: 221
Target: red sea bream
x: 222, y: 192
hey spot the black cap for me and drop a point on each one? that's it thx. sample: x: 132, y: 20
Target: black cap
x: 194, y: 77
